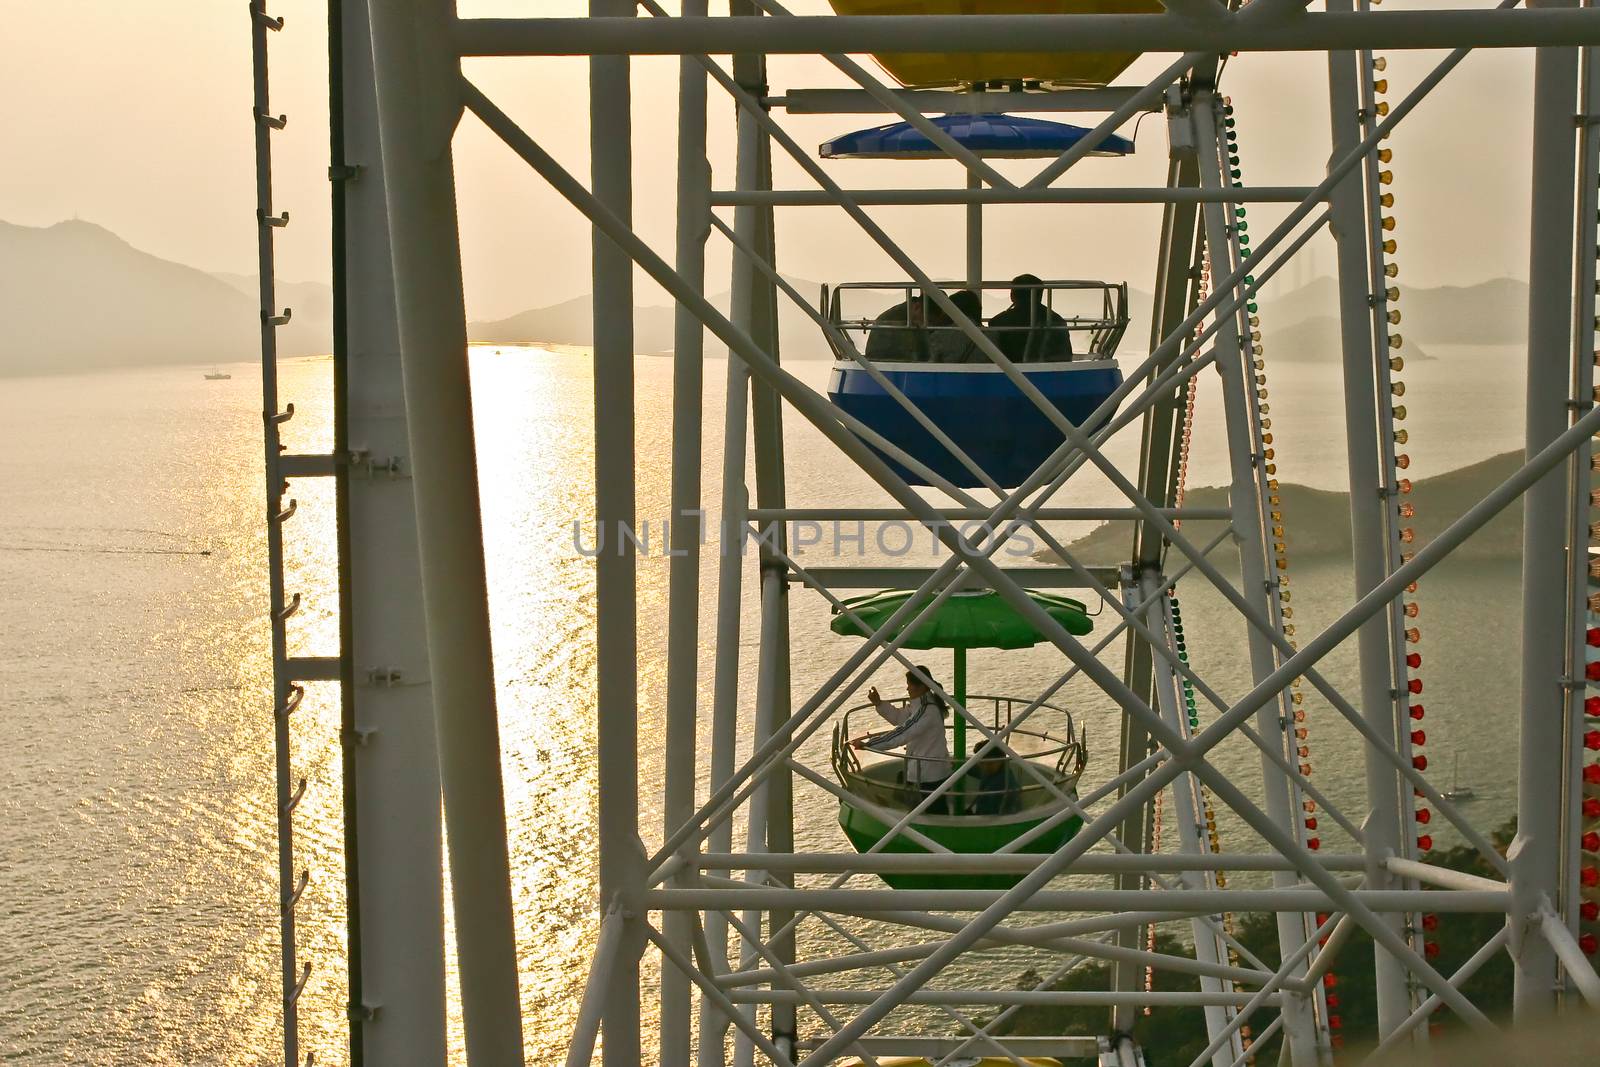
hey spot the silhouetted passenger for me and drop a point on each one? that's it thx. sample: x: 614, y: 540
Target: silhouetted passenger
x: 1027, y: 331
x: 900, y: 333
x: 947, y: 343
x: 997, y: 791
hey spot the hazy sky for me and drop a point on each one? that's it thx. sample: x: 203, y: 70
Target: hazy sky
x: 137, y: 117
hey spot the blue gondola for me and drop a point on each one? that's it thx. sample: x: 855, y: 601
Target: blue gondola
x: 982, y: 410
x: 954, y: 384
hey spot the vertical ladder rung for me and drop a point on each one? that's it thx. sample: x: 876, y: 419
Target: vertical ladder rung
x: 297, y: 693
x: 271, y: 23
x: 292, y: 606
x: 299, y: 986
x: 277, y: 122
x: 287, y: 513
x: 288, y: 902
x: 273, y: 220
x: 293, y: 802
x: 279, y: 320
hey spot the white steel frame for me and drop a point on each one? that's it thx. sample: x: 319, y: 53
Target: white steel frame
x: 724, y: 921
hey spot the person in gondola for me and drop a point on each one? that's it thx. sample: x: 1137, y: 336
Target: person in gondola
x: 996, y: 790
x: 899, y: 334
x: 947, y: 343
x: 919, y: 730
x: 1028, y: 331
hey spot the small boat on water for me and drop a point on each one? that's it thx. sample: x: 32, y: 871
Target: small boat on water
x: 1457, y: 791
x: 216, y: 374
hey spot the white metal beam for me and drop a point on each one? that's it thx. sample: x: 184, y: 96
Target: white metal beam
x: 967, y: 34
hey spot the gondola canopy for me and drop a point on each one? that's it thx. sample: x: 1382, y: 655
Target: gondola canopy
x: 991, y: 136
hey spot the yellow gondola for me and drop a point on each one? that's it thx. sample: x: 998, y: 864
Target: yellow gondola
x: 1065, y: 68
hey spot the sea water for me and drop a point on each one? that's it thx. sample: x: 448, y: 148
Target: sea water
x: 138, y: 860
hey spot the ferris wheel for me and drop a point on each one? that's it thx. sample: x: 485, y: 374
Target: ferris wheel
x: 888, y: 842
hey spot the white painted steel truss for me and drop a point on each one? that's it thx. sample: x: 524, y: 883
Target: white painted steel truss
x: 724, y: 921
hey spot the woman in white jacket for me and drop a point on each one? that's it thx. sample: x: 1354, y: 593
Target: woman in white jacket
x: 919, y: 730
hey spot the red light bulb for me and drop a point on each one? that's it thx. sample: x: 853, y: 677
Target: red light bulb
x: 1591, y: 841
x: 1591, y: 670
x: 1590, y: 877
x: 1424, y: 816
x: 1430, y: 949
x: 1414, y: 685
x: 1419, y: 737
x: 1416, y: 710
x: 1591, y: 740
x: 1333, y: 1000
x: 1589, y: 943
x: 1413, y: 660
x: 1592, y: 636
x: 1313, y: 843
x: 1311, y: 824
x: 1591, y: 706
x: 1419, y: 762
x: 1591, y: 774
x: 1589, y: 911
x: 1591, y: 807
x: 1425, y: 843
x: 1430, y: 923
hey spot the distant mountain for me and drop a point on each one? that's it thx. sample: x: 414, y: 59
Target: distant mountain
x: 1491, y: 312
x: 75, y: 296
x: 1316, y: 340
x: 1318, y: 521
x: 309, y: 330
x: 572, y: 323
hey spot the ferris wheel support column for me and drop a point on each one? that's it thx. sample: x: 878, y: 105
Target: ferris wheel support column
x: 417, y: 77
x: 1536, y: 859
x: 1299, y: 1024
x: 683, y: 623
x: 1188, y: 826
x: 730, y: 566
x: 622, y: 873
x: 400, y: 1012
x: 974, y: 234
x: 1348, y: 225
x: 771, y: 821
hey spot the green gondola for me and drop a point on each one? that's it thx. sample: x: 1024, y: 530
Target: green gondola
x: 1022, y: 805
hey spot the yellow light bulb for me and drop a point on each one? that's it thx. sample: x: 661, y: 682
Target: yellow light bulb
x: 1385, y: 177
x: 1382, y: 107
x: 1385, y: 155
x: 1398, y: 388
x: 1388, y: 223
x: 1381, y: 85
x: 1399, y: 413
x: 1394, y: 318
x: 1400, y: 438
x: 1391, y: 270
x: 1380, y: 64
x: 1391, y: 247
x: 1392, y: 293
x: 1395, y: 340
x: 1397, y: 363
x: 1387, y: 200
